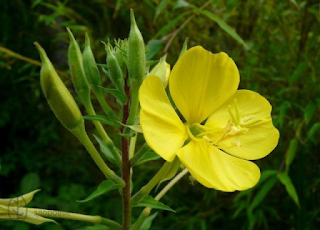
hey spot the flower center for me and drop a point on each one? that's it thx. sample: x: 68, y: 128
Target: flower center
x: 236, y: 125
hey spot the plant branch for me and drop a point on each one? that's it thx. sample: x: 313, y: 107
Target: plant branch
x: 125, y: 168
x: 75, y: 216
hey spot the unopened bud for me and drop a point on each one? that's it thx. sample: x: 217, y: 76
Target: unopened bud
x: 162, y: 70
x: 77, y: 71
x: 90, y: 67
x: 115, y: 71
x: 58, y: 96
x: 136, y: 53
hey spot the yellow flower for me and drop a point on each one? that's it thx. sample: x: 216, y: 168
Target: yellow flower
x: 224, y: 127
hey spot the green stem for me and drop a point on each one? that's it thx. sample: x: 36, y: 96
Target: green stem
x: 125, y: 169
x: 134, y: 105
x: 75, y: 216
x: 146, y: 212
x: 106, y: 108
x: 133, y: 141
x: 104, y: 136
x: 145, y: 190
x: 81, y: 134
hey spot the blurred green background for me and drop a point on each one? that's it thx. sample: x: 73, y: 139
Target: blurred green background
x: 276, y: 46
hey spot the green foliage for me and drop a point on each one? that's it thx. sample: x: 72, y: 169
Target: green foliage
x: 275, y: 45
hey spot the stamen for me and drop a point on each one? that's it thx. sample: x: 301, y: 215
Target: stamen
x: 191, y: 135
x: 231, y: 115
x: 235, y: 102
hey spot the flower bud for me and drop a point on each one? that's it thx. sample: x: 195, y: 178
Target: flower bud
x: 114, y: 68
x: 90, y: 67
x: 59, y: 98
x: 77, y: 71
x: 162, y: 70
x: 136, y: 53
x: 20, y: 201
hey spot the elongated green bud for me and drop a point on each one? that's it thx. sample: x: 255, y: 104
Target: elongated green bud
x: 136, y: 53
x: 90, y: 67
x: 114, y: 68
x: 77, y: 71
x: 136, y: 67
x: 58, y: 96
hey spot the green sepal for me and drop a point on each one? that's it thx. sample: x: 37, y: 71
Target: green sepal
x: 102, y: 189
x: 184, y: 47
x: 149, y: 201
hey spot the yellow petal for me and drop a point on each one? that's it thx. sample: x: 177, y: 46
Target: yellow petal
x: 201, y: 81
x: 162, y: 128
x: 260, y: 138
x: 216, y: 169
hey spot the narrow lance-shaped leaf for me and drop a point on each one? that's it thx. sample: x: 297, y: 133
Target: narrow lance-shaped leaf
x: 286, y: 181
x: 77, y: 71
x: 263, y: 191
x: 223, y: 25
x: 149, y: 201
x: 291, y: 152
x: 103, y: 188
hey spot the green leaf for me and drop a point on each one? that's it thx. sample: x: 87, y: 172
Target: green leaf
x: 103, y: 188
x: 160, y: 8
x: 148, y: 222
x: 171, y: 24
x: 117, y: 94
x: 314, y: 133
x: 291, y: 153
x: 223, y: 25
x: 181, y: 4
x: 267, y: 174
x: 309, y: 111
x: 95, y: 227
x: 106, y: 150
x: 136, y: 128
x: 101, y: 118
x: 171, y: 171
x: 149, y: 201
x: 154, y: 47
x: 298, y: 72
x: 286, y: 181
x: 265, y: 188
x: 148, y: 156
